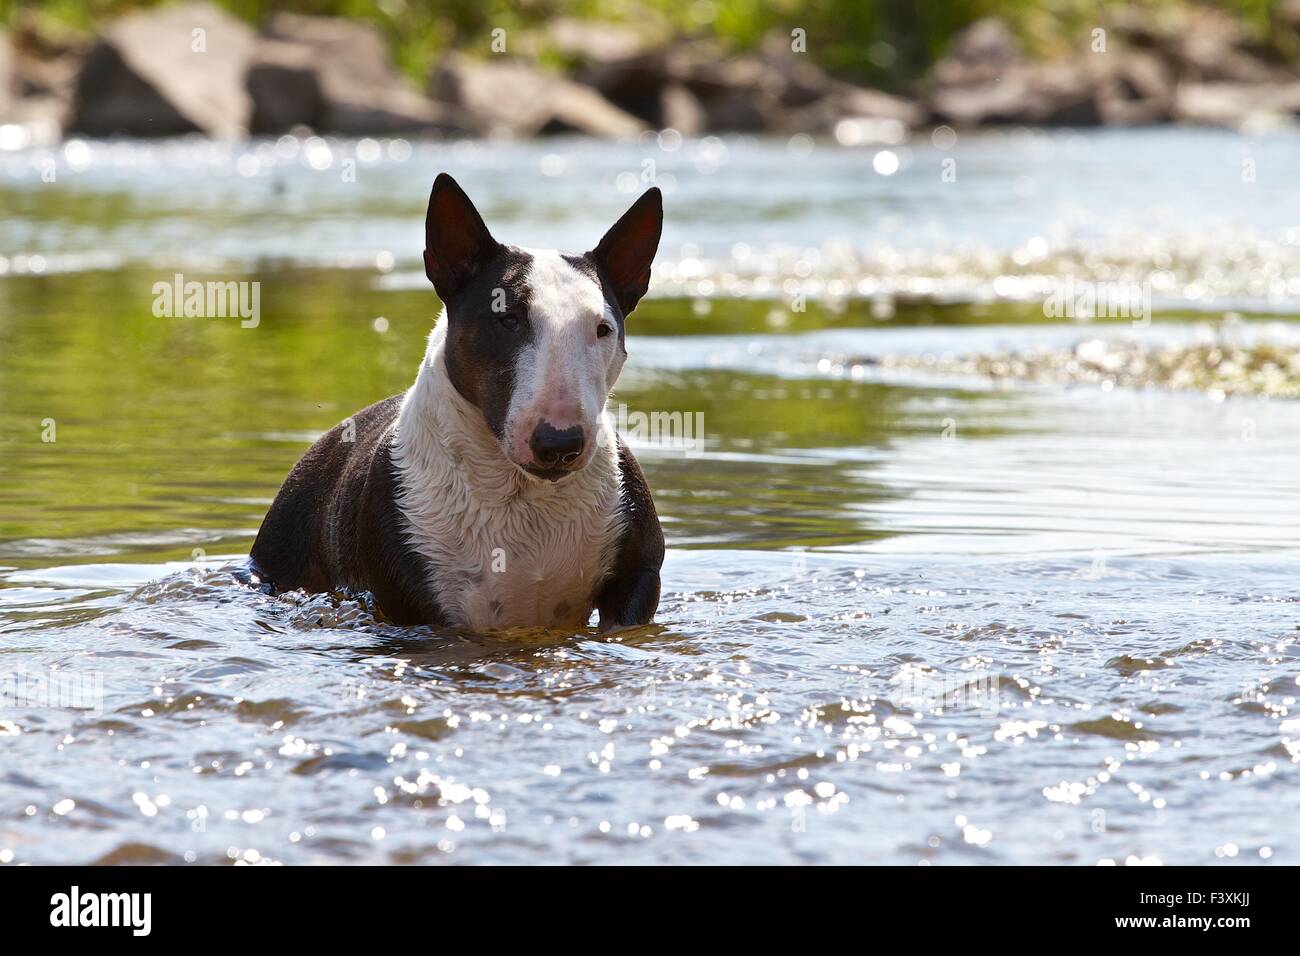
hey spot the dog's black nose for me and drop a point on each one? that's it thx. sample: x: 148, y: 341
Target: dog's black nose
x: 555, y: 447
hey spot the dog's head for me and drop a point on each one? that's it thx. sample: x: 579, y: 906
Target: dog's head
x: 535, y: 340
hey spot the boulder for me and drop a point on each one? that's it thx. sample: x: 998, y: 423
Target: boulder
x: 736, y: 93
x: 680, y: 110
x: 792, y: 78
x: 512, y: 98
x: 8, y: 76
x: 1286, y: 16
x: 591, y: 41
x: 1236, y: 105
x: 1204, y: 45
x: 1135, y: 88
x: 979, y: 54
x: 41, y: 119
x: 806, y: 99
x: 357, y: 90
x: 1211, y: 46
x: 636, y: 84
x: 166, y: 71
x: 1025, y: 94
x: 874, y: 117
x: 285, y: 87
x: 34, y: 94
x: 775, y: 90
x: 984, y: 80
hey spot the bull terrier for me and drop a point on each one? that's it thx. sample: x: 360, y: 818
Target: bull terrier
x: 494, y: 492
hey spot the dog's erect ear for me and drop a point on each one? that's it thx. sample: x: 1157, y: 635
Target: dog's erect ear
x: 629, y: 247
x: 456, y: 242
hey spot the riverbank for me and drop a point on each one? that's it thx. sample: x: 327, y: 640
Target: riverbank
x: 196, y: 68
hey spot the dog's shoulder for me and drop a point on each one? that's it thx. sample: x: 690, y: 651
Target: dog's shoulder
x: 641, y: 538
x: 385, y: 561
x: 296, y: 546
x: 629, y: 592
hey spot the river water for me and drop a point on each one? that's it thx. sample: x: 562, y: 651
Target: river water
x: 909, y: 616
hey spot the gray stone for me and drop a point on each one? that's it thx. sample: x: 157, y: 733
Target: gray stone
x: 592, y: 41
x: 1031, y: 94
x: 680, y: 110
x: 166, y: 71
x: 512, y: 98
x: 285, y: 88
x: 8, y: 76
x: 1135, y: 88
x: 978, y: 54
x: 1237, y: 105
x: 774, y: 90
x: 360, y: 90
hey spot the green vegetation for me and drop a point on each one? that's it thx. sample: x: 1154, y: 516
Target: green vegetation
x: 886, y: 44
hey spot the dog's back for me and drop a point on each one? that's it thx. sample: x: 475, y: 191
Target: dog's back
x: 335, y: 523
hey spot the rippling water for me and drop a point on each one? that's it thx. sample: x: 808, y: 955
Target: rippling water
x: 909, y: 616
x: 1208, y: 217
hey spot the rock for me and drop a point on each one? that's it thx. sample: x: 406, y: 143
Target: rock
x: 792, y: 77
x: 33, y: 97
x: 979, y: 54
x: 166, y: 71
x: 44, y: 60
x: 1029, y: 94
x: 507, y: 97
x: 636, y: 84
x: 729, y: 93
x: 734, y: 94
x: 984, y: 80
x: 776, y: 90
x: 1135, y: 88
x: 1237, y: 105
x: 34, y: 121
x: 591, y: 41
x: 855, y: 116
x: 579, y: 109
x: 360, y: 90
x: 285, y: 88
x: 8, y: 77
x: 808, y: 100
x: 1209, y: 46
x: 680, y: 110
x: 47, y: 77
x: 1201, y: 44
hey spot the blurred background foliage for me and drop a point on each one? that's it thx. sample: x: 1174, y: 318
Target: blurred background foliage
x: 887, y: 43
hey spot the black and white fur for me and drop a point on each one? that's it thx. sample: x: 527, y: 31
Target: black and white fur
x: 494, y: 492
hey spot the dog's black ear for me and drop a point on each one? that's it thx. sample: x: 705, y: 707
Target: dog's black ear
x: 629, y: 247
x: 456, y: 242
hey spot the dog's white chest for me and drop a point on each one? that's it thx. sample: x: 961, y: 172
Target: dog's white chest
x: 503, y: 550
x: 537, y: 570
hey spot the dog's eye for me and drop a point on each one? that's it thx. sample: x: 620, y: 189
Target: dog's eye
x: 509, y: 320
x: 603, y: 330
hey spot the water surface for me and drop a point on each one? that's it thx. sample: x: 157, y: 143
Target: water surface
x: 908, y: 617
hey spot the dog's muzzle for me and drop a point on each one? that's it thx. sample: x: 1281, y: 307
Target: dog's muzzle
x: 556, y: 451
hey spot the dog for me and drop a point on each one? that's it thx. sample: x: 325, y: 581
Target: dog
x: 495, y: 492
